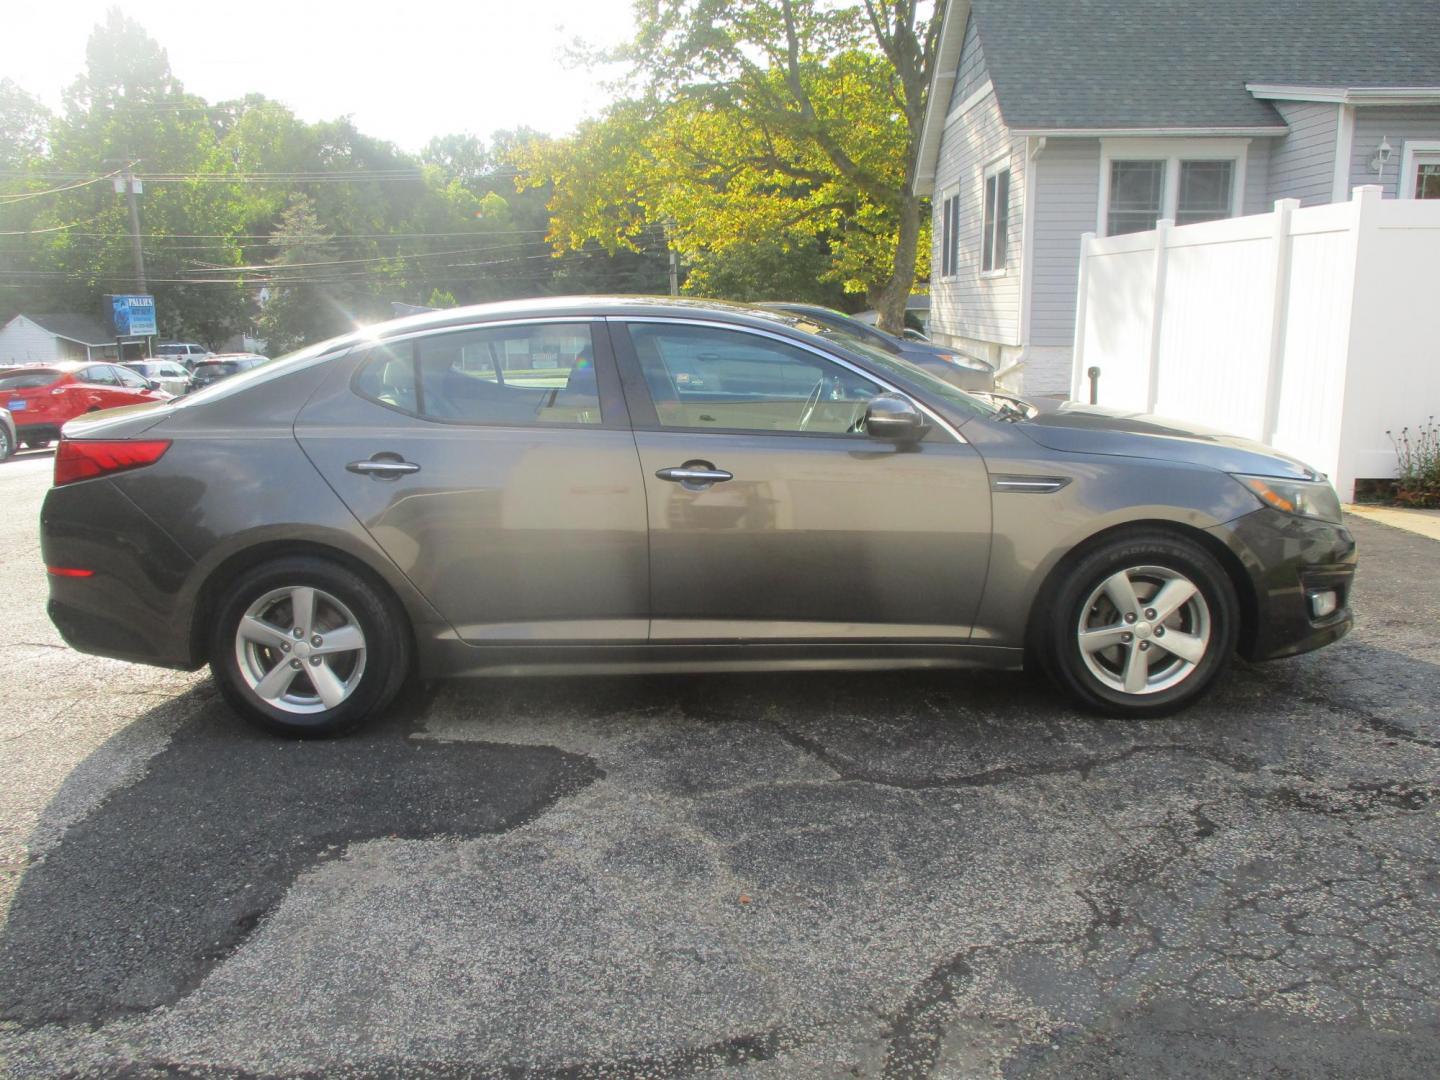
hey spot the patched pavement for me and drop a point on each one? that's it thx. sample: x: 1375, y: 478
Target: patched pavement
x: 871, y: 875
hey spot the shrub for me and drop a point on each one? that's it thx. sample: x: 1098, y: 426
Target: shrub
x: 1417, y: 472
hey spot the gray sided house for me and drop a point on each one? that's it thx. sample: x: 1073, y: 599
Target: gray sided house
x: 1050, y: 120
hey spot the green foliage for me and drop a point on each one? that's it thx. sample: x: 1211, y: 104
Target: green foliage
x: 779, y: 124
x: 243, y: 201
x: 1417, y: 461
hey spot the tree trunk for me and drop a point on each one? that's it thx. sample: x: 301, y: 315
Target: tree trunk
x: 890, y: 300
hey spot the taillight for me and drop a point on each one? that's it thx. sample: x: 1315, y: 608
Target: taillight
x: 85, y: 459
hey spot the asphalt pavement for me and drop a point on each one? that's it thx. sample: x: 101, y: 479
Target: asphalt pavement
x: 867, y: 875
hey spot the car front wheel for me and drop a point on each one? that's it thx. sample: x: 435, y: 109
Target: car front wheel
x: 1142, y: 626
x: 306, y: 647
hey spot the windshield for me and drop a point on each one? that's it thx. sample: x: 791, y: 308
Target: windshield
x: 925, y: 384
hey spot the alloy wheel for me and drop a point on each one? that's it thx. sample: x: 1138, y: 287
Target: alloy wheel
x: 1144, y: 630
x: 300, y: 649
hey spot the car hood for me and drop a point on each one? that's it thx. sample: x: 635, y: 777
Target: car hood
x: 1092, y: 429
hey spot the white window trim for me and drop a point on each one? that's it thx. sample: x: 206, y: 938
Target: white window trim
x: 1172, y: 152
x: 937, y: 269
x: 999, y: 165
x: 1409, y: 163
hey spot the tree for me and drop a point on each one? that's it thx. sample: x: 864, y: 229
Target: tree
x: 300, y: 309
x: 23, y: 124
x: 787, y: 121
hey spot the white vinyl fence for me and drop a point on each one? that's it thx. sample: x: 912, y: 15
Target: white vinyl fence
x: 1313, y: 330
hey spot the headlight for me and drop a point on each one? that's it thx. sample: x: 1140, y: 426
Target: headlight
x: 1304, y: 498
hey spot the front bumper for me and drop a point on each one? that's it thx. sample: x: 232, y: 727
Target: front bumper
x: 1289, y: 560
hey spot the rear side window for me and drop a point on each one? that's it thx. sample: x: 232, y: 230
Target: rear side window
x: 28, y: 380
x: 514, y: 375
x: 388, y: 376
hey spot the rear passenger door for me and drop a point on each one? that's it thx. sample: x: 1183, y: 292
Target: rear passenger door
x: 496, y: 467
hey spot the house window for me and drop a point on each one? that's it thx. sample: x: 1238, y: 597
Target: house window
x: 1427, y: 180
x: 949, y: 235
x: 1205, y: 193
x: 1183, y: 180
x: 996, y: 224
x: 1137, y: 190
x: 1420, y: 170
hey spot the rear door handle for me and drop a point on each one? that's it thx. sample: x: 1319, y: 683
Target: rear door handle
x: 694, y: 474
x: 383, y: 468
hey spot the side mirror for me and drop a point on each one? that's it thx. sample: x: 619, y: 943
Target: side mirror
x: 895, y: 419
x: 151, y: 384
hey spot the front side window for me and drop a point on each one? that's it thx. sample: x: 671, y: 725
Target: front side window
x: 129, y: 378
x: 99, y: 375
x: 538, y: 374
x: 1137, y: 191
x: 1205, y: 191
x: 997, y: 221
x: 704, y: 377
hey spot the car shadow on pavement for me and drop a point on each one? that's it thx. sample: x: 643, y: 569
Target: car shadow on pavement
x: 141, y: 897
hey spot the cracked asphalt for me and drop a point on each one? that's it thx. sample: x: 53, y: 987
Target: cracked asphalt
x: 864, y: 875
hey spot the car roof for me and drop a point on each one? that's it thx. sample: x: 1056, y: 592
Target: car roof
x: 67, y: 366
x: 581, y: 307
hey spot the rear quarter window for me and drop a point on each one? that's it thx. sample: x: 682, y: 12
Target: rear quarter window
x: 28, y: 380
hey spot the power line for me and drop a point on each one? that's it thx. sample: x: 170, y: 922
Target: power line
x: 8, y: 199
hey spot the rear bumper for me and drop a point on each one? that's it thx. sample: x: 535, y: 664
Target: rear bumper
x: 129, y: 609
x: 1289, y: 560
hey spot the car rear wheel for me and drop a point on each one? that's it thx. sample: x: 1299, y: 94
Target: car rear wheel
x: 37, y: 444
x: 306, y: 647
x: 1142, y: 626
x: 7, y: 444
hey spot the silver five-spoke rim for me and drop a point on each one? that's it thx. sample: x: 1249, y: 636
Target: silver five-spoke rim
x: 1144, y: 630
x: 300, y: 649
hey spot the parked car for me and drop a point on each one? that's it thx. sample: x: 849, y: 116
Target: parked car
x: 169, y: 375
x: 187, y: 352
x: 678, y: 486
x: 41, y: 399
x: 8, y: 441
x: 955, y: 367
x: 222, y: 365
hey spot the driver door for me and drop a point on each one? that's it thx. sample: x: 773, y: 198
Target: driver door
x: 773, y: 516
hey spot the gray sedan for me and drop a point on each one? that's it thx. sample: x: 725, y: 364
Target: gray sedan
x: 591, y: 484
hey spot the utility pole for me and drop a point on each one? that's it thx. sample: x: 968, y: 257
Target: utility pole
x: 131, y: 186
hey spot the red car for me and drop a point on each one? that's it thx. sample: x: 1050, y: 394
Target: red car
x: 42, y: 398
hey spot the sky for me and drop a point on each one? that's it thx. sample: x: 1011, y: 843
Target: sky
x: 453, y: 67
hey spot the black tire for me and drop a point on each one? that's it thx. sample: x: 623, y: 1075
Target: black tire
x: 37, y: 444
x: 1065, y: 661
x: 7, y: 444
x: 381, y: 620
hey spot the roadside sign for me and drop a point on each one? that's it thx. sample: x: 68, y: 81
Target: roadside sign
x: 133, y: 316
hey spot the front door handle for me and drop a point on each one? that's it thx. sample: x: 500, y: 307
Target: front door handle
x: 694, y: 475
x: 384, y: 468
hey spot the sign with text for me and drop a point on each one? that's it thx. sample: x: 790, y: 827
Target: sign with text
x: 133, y: 316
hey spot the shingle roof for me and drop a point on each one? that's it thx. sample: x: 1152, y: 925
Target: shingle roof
x: 1163, y: 64
x: 85, y: 329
